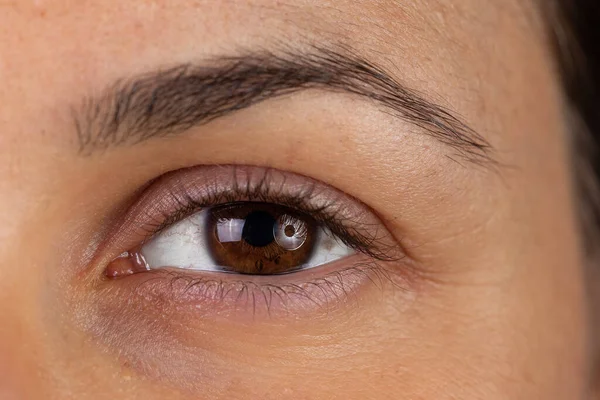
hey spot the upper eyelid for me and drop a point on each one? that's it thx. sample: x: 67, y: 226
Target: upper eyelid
x: 174, y: 190
x: 261, y: 190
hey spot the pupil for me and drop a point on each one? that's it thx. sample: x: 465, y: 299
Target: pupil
x: 258, y: 229
x: 289, y: 231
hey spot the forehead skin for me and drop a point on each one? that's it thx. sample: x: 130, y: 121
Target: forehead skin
x: 502, y: 316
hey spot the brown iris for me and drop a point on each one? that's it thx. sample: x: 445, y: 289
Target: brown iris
x: 259, y: 238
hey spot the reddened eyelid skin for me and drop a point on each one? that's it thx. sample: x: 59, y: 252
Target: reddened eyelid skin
x: 178, y: 194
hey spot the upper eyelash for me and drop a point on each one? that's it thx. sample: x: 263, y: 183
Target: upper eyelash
x: 327, y: 214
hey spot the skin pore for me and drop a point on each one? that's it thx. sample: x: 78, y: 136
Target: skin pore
x: 483, y: 296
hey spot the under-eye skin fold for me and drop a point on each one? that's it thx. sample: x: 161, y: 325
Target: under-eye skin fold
x: 221, y: 236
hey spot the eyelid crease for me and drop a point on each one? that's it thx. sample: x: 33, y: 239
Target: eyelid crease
x: 178, y: 194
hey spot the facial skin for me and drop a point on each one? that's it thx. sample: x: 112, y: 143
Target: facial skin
x: 487, y: 301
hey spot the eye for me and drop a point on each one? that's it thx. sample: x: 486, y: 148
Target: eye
x: 244, y: 238
x: 241, y: 238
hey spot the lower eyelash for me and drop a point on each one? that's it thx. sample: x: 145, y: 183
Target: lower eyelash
x: 265, y: 297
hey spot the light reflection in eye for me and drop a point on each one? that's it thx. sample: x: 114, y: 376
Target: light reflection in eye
x: 290, y: 233
x: 230, y: 230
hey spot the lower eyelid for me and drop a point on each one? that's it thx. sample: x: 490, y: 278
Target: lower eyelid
x: 306, y: 293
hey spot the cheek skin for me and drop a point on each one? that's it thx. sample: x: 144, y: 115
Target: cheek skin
x: 14, y: 366
x: 181, y: 345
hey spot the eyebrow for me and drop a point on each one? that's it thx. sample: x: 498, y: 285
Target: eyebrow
x: 171, y: 101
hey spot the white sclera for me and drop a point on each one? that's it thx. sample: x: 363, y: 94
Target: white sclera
x: 184, y: 245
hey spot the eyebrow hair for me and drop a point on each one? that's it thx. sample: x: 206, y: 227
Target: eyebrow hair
x: 171, y: 101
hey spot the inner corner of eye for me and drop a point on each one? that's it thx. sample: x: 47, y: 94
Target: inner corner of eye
x: 128, y: 263
x: 249, y: 238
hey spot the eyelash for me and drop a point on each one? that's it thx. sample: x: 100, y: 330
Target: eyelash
x: 216, y: 295
x: 379, y: 258
x: 327, y: 214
